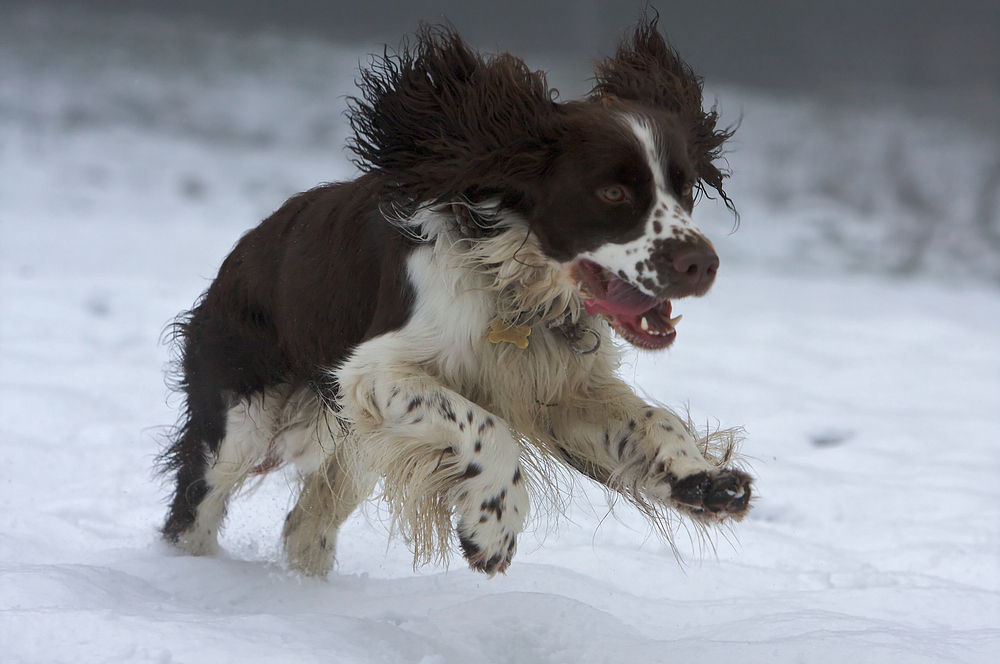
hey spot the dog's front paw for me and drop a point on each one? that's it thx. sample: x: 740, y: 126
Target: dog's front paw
x: 712, y: 495
x: 488, y: 529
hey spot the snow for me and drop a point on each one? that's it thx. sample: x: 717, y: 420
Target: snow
x: 870, y: 400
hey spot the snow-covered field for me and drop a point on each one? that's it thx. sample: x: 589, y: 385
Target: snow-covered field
x: 132, y: 156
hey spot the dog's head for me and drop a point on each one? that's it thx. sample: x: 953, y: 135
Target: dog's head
x: 606, y: 185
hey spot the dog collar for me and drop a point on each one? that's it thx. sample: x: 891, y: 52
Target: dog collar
x: 574, y: 333
x: 517, y: 334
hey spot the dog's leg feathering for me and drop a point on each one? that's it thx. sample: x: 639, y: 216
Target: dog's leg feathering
x: 650, y: 456
x: 438, y: 452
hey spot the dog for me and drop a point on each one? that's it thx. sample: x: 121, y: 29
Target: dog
x: 442, y: 326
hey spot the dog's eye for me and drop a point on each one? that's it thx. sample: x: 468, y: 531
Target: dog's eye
x: 686, y: 190
x: 613, y: 194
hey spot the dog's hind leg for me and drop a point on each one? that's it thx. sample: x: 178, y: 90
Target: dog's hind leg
x: 190, y: 457
x: 218, y: 449
x: 328, y: 497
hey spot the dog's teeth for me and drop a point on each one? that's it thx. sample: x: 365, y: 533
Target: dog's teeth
x: 644, y: 325
x: 674, y: 321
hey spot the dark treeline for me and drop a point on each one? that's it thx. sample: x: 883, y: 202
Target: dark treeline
x: 780, y: 44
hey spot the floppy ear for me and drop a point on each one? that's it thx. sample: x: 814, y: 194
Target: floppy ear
x: 439, y: 121
x: 645, y: 69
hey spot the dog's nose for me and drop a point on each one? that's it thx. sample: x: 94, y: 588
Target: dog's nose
x: 696, y: 268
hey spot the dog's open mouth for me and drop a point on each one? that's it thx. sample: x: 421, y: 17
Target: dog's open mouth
x: 641, y: 319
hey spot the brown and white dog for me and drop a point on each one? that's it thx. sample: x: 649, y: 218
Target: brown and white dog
x: 443, y: 320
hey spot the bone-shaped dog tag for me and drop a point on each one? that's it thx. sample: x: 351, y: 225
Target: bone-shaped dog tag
x: 515, y: 334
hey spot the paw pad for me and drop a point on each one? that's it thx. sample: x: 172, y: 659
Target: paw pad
x: 713, y: 496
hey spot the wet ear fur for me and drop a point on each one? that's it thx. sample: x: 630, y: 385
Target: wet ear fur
x: 441, y: 121
x: 646, y: 70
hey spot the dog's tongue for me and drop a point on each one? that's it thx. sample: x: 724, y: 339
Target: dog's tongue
x: 619, y: 298
x: 640, y: 319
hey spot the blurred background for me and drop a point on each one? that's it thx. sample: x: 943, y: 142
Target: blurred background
x: 869, y: 137
x: 781, y: 44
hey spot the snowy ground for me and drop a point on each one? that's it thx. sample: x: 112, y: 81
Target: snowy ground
x: 871, y: 401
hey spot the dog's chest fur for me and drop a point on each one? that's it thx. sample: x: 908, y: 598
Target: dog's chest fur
x: 463, y: 289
